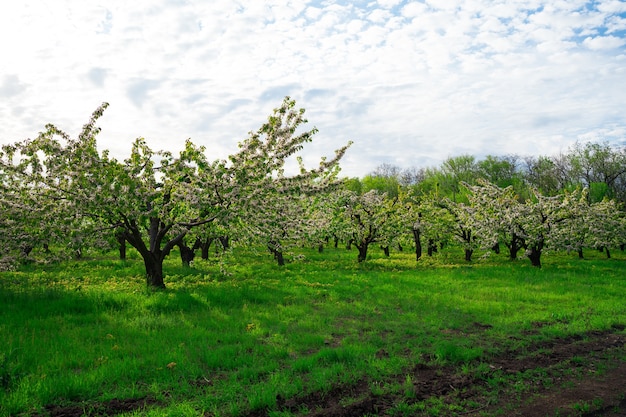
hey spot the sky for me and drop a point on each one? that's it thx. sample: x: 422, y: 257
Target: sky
x: 411, y: 83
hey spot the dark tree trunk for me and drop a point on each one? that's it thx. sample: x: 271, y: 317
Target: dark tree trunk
x: 535, y: 257
x: 535, y: 254
x: 225, y: 241
x: 418, y: 243
x: 186, y: 254
x: 279, y: 258
x: 336, y: 242
x: 467, y: 237
x: 608, y: 253
x: 580, y: 253
x: 26, y: 250
x: 121, y: 242
x: 514, y: 246
x: 349, y: 244
x: 362, y: 251
x: 203, y: 245
x: 432, y: 247
x: 153, y: 254
x: 274, y: 249
x: 320, y: 248
x: 204, y: 248
x: 122, y: 251
x: 622, y: 247
x: 496, y: 248
x: 385, y: 250
x: 154, y: 271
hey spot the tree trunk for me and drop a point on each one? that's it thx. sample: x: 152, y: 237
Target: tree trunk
x: 154, y: 271
x: 275, y: 250
x: 203, y: 245
x: 278, y: 255
x: 514, y: 247
x: 121, y: 241
x: 496, y: 248
x: 362, y: 251
x: 336, y: 241
x: 225, y: 241
x: 535, y: 254
x: 580, y: 253
x: 535, y: 257
x: 152, y: 254
x: 608, y: 253
x: 279, y: 258
x: 385, y: 250
x: 320, y: 248
x: 469, y: 238
x: 418, y: 243
x: 349, y: 244
x: 204, y: 248
x: 186, y: 254
x: 432, y: 247
x: 26, y: 250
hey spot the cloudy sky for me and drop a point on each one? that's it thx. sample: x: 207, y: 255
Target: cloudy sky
x: 410, y: 82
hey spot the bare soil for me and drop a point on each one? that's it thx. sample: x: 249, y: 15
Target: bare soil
x: 595, y: 387
x: 108, y: 408
x: 583, y: 375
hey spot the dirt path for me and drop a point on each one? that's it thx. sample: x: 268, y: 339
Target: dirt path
x: 580, y: 376
x: 602, y: 395
x: 597, y: 387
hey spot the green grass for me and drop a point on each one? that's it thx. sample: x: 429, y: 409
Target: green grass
x: 88, y: 331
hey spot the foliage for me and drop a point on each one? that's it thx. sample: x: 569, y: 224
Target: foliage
x: 271, y: 207
x: 535, y: 224
x: 598, y: 163
x: 153, y: 199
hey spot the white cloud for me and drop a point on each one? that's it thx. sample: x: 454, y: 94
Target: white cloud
x: 11, y: 86
x: 604, y: 42
x: 410, y: 82
x: 388, y: 4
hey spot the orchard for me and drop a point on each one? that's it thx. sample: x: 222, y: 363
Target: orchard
x: 60, y: 196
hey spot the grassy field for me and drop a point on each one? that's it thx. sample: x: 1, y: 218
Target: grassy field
x: 87, y: 337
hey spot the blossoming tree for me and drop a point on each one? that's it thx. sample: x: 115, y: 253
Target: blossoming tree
x: 153, y: 198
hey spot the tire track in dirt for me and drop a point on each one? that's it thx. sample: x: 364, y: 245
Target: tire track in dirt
x: 607, y: 390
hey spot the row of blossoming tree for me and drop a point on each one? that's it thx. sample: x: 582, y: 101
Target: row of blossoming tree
x: 490, y: 217
x: 63, y: 192
x: 483, y: 205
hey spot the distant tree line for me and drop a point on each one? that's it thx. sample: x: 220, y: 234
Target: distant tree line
x: 570, y: 201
